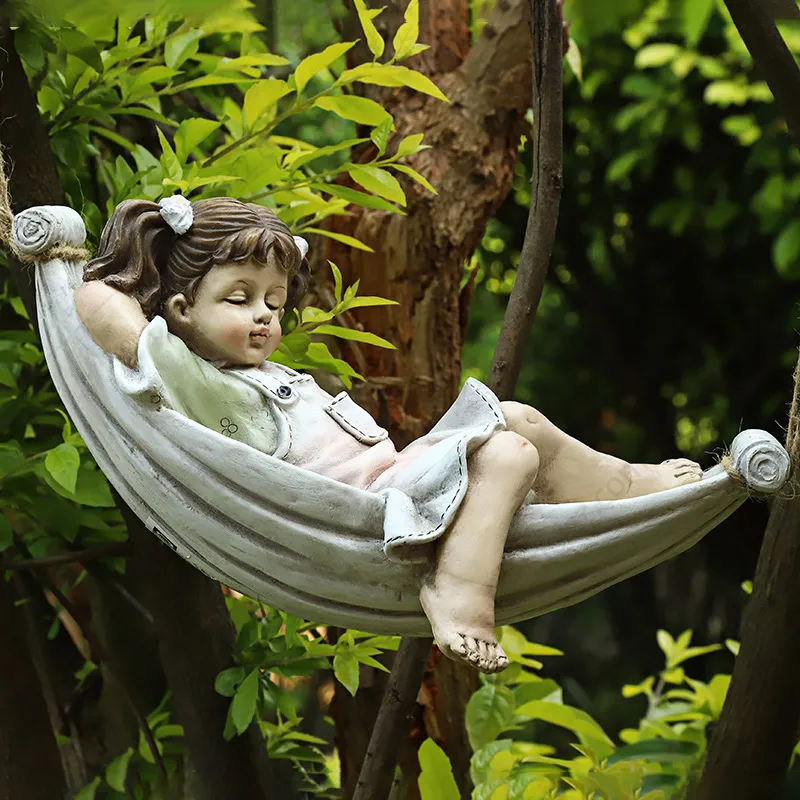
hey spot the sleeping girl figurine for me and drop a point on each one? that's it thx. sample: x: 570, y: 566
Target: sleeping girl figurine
x: 198, y: 291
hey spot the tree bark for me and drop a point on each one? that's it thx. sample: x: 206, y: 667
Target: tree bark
x: 193, y: 626
x: 30, y: 766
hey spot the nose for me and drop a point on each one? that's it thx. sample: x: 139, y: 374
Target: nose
x: 262, y: 313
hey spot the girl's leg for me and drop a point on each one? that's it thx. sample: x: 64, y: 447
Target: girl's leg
x: 572, y: 472
x: 458, y: 596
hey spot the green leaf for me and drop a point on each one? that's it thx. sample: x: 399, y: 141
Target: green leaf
x: 92, y: 489
x: 409, y: 145
x: 341, y: 237
x: 361, y: 110
x: 656, y: 55
x: 696, y: 14
x: 408, y: 33
x: 566, y: 716
x: 253, y: 60
x: 392, y: 75
x: 358, y: 198
x: 169, y: 161
x: 489, y: 712
x: 380, y: 136
x: 190, y: 133
x: 367, y: 301
x: 229, y: 680
x: 179, y: 48
x: 733, y: 646
x: 243, y: 707
x: 62, y: 463
x: 379, y: 181
x: 29, y: 48
x: 261, y: 96
x: 313, y: 64
x: 374, y: 39
x: 6, y: 533
x: 354, y: 336
x: 406, y: 170
x: 645, y: 687
x: 11, y: 458
x: 436, y: 781
x: 345, y: 668
x: 89, y: 791
x: 786, y: 251
x: 81, y: 46
x: 574, y: 60
x: 337, y: 281
x: 118, y: 769
x: 664, y: 751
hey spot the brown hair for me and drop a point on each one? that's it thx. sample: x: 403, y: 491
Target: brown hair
x: 141, y: 255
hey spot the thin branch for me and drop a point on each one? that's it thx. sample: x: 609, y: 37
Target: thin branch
x: 74, y: 557
x: 98, y: 656
x: 377, y: 772
x: 546, y: 33
x: 756, y: 25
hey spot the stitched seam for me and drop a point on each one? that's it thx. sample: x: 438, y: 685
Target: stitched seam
x: 347, y: 424
x: 461, y: 448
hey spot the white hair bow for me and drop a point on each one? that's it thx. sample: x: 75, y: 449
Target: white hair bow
x: 177, y: 212
x: 302, y: 245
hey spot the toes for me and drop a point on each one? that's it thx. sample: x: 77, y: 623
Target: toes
x: 473, y: 650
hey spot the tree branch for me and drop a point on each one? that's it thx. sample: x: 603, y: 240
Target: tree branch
x: 74, y: 557
x: 756, y: 25
x: 377, y: 773
x: 547, y: 181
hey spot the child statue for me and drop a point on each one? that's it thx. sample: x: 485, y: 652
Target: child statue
x: 199, y: 290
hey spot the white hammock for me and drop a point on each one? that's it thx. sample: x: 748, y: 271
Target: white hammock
x: 314, y: 547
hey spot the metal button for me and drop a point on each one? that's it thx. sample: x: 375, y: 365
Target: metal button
x: 284, y: 392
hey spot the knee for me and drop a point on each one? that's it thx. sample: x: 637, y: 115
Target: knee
x: 525, y: 420
x: 512, y: 455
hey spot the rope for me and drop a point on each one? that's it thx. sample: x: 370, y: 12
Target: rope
x: 6, y: 217
x: 794, y: 411
x: 63, y: 252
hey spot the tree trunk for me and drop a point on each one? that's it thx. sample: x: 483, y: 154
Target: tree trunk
x: 757, y: 731
x: 419, y: 261
x: 192, y: 623
x: 30, y: 766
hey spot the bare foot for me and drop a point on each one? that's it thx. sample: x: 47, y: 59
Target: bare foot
x: 462, y: 617
x: 651, y: 478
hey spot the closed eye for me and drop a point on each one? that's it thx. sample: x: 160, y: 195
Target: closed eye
x: 235, y: 301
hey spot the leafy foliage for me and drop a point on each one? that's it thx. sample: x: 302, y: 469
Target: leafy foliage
x: 655, y: 760
x: 189, y: 98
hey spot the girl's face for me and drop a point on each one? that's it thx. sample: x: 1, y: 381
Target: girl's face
x: 236, y: 314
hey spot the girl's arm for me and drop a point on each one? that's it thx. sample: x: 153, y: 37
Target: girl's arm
x: 114, y: 319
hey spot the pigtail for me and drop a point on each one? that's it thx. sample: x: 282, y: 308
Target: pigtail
x: 133, y: 252
x: 298, y: 285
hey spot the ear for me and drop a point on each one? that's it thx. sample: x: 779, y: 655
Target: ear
x: 176, y: 307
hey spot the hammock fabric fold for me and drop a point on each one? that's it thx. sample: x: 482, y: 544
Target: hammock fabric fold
x: 314, y: 547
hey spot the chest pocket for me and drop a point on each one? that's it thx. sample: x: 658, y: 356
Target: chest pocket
x: 355, y: 420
